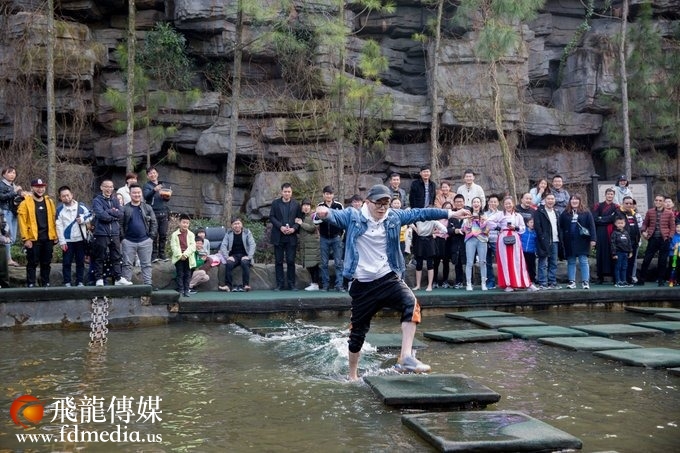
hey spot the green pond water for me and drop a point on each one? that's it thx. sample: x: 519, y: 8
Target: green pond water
x: 223, y: 388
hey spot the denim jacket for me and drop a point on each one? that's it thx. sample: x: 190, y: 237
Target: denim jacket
x: 356, y: 224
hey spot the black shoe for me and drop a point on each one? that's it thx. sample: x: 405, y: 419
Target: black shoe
x: 661, y: 283
x: 340, y: 289
x: 278, y: 288
x: 185, y: 294
x: 294, y: 289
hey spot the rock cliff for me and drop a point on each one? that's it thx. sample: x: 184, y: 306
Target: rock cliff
x: 554, y: 104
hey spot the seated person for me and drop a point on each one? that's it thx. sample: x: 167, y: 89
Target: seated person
x: 238, y: 248
x: 203, y: 264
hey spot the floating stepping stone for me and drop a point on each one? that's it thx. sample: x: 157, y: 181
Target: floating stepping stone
x: 533, y: 332
x: 652, y: 310
x: 477, y: 314
x: 494, y: 322
x: 612, y: 330
x: 489, y: 431
x: 588, y: 343
x: 386, y: 341
x: 649, y: 357
x: 664, y: 326
x: 467, y: 335
x: 674, y: 371
x: 669, y: 316
x: 431, y: 391
x: 265, y: 327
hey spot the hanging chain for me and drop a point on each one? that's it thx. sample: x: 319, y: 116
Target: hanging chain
x: 100, y: 313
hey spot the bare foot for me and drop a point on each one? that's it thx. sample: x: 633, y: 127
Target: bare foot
x: 353, y: 378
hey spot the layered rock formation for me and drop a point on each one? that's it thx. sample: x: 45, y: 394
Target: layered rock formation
x: 553, y: 114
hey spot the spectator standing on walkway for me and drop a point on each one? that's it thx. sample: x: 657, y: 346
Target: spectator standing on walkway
x: 108, y: 212
x: 476, y: 240
x: 578, y: 238
x: 374, y: 263
x: 156, y: 194
x: 546, y: 225
x: 183, y: 247
x: 309, y: 244
x: 621, y: 250
x: 471, y: 190
x: 604, y: 214
x: 139, y: 227
x: 561, y: 195
x: 36, y: 215
x: 539, y: 192
x: 330, y: 241
x: 512, y: 269
x: 658, y: 228
x: 397, y: 192
x: 457, y: 242
x: 445, y: 195
x: 237, y: 249
x: 282, y: 215
x: 529, y: 248
x: 423, y: 191
x: 525, y: 208
x: 490, y: 209
x: 10, y: 195
x: 426, y: 249
x: 124, y: 192
x: 4, y: 237
x: 72, y: 225
x: 633, y: 224
x: 621, y: 190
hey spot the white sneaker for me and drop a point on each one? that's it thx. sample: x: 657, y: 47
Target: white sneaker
x: 532, y: 287
x: 412, y: 365
x: 468, y: 287
x: 585, y: 285
x: 484, y: 288
x: 123, y: 282
x: 312, y: 287
x: 100, y: 282
x: 571, y: 285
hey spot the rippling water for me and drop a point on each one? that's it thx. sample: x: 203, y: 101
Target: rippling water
x: 225, y: 389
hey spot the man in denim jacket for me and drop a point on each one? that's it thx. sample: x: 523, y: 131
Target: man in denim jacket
x: 374, y: 262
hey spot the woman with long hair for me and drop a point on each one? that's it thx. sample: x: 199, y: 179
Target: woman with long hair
x: 578, y: 238
x: 512, y: 269
x: 476, y: 239
x: 539, y: 192
x: 490, y: 209
x: 10, y: 193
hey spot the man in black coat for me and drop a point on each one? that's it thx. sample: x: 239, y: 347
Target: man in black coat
x: 423, y: 190
x: 283, y: 212
x: 547, y: 242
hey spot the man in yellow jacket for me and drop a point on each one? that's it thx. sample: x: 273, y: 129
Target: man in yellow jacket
x: 37, y: 215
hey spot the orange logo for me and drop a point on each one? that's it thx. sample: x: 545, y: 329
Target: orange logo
x: 27, y: 408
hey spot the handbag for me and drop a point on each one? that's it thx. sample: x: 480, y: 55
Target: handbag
x: 583, y: 231
x: 509, y: 240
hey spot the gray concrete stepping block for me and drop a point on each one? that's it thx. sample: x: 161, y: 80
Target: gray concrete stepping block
x: 533, y: 332
x: 652, y: 310
x: 613, y: 330
x: 424, y: 391
x: 477, y: 314
x: 664, y: 326
x: 489, y: 431
x: 387, y: 341
x: 647, y: 357
x: 467, y: 335
x: 668, y: 316
x: 494, y: 322
x: 674, y: 371
x: 588, y: 343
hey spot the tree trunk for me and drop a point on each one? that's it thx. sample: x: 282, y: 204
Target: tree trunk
x: 340, y: 160
x: 506, y: 153
x: 624, y: 91
x: 435, y: 149
x: 130, y: 104
x: 230, y: 170
x: 51, y: 113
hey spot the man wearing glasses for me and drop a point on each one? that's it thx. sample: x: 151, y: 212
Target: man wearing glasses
x: 374, y: 263
x: 658, y: 228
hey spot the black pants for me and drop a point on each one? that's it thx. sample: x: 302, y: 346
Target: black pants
x: 110, y: 244
x: 162, y: 236
x: 183, y: 275
x: 656, y: 245
x: 530, y: 259
x: 40, y: 253
x: 288, y: 249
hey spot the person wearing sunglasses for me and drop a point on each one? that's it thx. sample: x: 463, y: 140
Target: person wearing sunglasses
x: 658, y: 228
x: 374, y: 264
